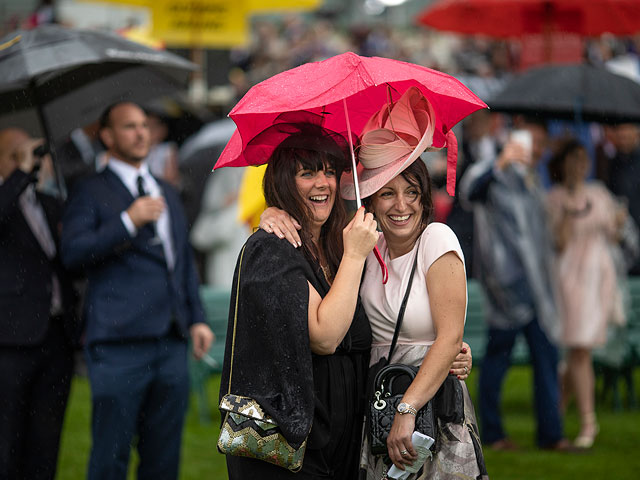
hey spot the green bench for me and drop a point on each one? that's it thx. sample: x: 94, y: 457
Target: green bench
x: 615, y: 362
x: 475, y: 329
x: 216, y: 306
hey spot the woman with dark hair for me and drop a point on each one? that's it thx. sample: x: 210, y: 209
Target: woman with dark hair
x: 585, y: 220
x: 302, y: 340
x: 396, y: 188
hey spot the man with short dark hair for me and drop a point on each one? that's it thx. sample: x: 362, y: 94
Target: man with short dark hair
x: 37, y: 323
x: 126, y: 231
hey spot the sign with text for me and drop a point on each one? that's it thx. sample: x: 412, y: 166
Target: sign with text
x: 201, y: 23
x: 275, y: 5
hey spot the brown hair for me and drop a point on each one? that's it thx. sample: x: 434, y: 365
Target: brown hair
x: 564, y: 148
x: 417, y: 176
x: 281, y: 191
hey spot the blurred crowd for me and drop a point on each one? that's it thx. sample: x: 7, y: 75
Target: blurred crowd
x: 585, y: 192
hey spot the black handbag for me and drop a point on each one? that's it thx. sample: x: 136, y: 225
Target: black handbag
x: 389, y: 382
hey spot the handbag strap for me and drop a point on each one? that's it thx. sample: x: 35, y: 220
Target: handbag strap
x: 403, y: 306
x: 235, y: 320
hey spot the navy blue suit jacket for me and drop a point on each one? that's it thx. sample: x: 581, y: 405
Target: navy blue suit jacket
x: 131, y: 294
x: 26, y: 272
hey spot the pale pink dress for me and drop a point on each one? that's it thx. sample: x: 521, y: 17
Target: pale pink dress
x: 588, y: 292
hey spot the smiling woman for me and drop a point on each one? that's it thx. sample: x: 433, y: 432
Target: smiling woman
x: 404, y: 206
x: 396, y: 188
x: 302, y: 340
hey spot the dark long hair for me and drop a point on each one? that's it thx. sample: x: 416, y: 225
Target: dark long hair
x: 417, y: 176
x: 281, y: 191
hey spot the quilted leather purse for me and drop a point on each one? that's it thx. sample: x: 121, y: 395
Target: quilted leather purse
x: 383, y: 409
x: 246, y: 430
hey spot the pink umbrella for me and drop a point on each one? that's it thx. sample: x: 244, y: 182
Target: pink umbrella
x: 346, y: 90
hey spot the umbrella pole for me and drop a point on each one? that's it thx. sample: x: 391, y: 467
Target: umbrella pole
x: 353, y: 155
x: 376, y: 251
x: 47, y: 135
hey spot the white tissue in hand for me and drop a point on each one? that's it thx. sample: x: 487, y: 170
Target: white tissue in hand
x: 421, y: 444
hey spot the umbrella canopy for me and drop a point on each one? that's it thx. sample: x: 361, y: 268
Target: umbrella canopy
x: 512, y: 18
x: 364, y: 84
x: 69, y: 76
x: 345, y: 90
x: 208, y: 141
x: 573, y: 92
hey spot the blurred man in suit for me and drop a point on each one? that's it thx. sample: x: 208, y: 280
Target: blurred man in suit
x: 37, y: 324
x: 125, y: 229
x: 80, y: 155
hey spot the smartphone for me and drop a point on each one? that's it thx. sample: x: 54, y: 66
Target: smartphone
x: 41, y: 150
x: 524, y: 138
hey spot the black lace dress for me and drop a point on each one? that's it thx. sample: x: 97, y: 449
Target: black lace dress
x: 319, y: 396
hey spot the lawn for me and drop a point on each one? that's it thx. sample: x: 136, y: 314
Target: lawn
x: 613, y: 457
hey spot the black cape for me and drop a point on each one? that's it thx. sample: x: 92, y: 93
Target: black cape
x: 272, y: 356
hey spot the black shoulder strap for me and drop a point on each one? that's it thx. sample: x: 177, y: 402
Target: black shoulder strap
x: 403, y: 306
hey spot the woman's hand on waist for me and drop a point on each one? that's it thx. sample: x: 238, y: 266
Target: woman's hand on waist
x: 461, y: 366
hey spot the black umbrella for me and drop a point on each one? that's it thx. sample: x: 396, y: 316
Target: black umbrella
x: 69, y: 76
x: 572, y: 92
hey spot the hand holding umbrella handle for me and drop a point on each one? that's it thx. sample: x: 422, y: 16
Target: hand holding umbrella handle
x: 376, y: 252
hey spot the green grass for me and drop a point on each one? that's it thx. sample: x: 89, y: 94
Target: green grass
x: 614, y: 456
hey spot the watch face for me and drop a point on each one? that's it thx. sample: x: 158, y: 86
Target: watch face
x: 402, y: 408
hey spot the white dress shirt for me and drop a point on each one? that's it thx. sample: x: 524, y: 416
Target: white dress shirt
x: 128, y: 174
x: 36, y: 219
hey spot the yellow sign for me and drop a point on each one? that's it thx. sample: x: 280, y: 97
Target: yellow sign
x: 252, y: 5
x: 208, y: 23
x: 133, y: 3
x: 273, y: 5
x: 200, y: 23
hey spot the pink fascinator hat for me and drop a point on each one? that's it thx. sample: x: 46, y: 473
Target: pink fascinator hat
x: 392, y: 139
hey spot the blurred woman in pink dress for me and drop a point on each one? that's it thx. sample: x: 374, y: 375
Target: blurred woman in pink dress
x: 585, y: 220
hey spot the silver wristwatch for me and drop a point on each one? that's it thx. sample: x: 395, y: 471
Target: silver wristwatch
x: 405, y: 408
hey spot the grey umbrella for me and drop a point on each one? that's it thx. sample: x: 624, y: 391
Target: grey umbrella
x: 196, y: 155
x: 573, y: 92
x: 68, y: 76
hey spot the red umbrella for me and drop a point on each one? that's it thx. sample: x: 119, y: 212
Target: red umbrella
x: 346, y: 90
x: 512, y: 18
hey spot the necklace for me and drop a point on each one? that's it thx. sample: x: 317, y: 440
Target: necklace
x: 326, y: 272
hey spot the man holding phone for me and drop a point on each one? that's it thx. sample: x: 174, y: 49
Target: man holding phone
x: 514, y: 257
x: 38, y: 323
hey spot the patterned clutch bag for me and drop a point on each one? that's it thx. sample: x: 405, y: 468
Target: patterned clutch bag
x: 246, y: 430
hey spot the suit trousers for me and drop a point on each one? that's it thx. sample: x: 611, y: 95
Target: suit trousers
x: 35, y: 383
x: 496, y: 362
x: 139, y: 393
